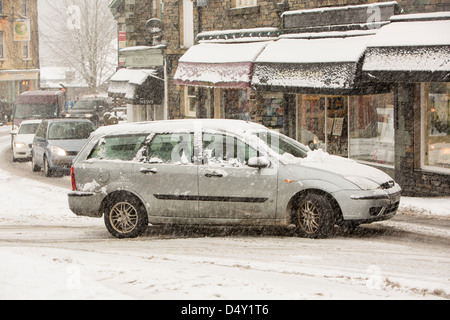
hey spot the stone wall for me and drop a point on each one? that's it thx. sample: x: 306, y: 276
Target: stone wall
x: 408, y: 172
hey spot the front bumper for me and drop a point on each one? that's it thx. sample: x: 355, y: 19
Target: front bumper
x: 22, y: 152
x: 59, y: 163
x: 369, y: 205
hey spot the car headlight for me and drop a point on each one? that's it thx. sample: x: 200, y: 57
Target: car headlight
x: 19, y: 144
x: 58, y: 151
x: 363, y: 183
x: 67, y: 115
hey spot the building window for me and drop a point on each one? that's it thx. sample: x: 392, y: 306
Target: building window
x: 2, y: 45
x: 1, y: 6
x: 188, y: 24
x: 24, y: 7
x: 25, y: 50
x: 246, y: 3
x: 190, y: 101
x: 436, y: 126
x: 371, y: 129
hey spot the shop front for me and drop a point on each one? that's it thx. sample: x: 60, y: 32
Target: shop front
x: 419, y: 68
x: 140, y: 84
x: 319, y: 76
x: 12, y: 84
x: 216, y: 77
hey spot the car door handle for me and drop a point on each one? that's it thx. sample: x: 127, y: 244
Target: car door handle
x: 213, y: 174
x: 147, y: 171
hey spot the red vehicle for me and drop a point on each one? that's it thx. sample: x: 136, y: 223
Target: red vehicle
x: 39, y: 105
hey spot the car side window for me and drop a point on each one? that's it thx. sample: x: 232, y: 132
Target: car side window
x: 176, y: 148
x: 226, y: 150
x: 124, y: 147
x: 42, y: 130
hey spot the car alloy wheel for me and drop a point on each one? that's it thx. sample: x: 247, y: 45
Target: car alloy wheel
x: 125, y: 216
x: 314, y: 216
x: 309, y: 217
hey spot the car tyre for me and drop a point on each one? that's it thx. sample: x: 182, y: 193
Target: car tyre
x: 314, y: 216
x: 34, y: 166
x: 125, y: 216
x: 47, y: 170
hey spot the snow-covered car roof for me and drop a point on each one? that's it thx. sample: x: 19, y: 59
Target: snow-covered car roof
x: 30, y: 121
x: 184, y: 125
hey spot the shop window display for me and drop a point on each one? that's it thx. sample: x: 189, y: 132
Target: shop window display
x: 324, y: 123
x: 372, y: 129
x: 436, y: 140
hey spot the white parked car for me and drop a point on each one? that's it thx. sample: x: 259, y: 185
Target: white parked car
x: 23, y: 139
x: 222, y: 172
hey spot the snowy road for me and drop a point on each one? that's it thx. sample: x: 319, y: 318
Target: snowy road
x: 49, y: 253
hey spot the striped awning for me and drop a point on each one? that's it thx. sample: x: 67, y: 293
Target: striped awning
x: 226, y: 65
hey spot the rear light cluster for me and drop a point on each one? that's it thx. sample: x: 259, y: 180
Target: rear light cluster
x: 72, y: 179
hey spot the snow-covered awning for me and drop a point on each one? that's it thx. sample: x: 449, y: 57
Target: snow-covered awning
x: 320, y: 62
x: 412, y: 48
x: 125, y: 83
x: 227, y: 65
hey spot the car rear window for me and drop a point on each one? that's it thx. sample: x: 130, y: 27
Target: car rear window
x: 28, y: 128
x: 124, y: 147
x: 70, y: 130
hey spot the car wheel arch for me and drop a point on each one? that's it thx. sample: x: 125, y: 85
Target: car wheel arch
x: 303, y: 193
x: 119, y: 193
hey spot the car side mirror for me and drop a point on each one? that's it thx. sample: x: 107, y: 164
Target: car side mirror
x: 258, y: 162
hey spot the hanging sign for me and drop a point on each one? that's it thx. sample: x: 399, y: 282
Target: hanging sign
x: 22, y: 30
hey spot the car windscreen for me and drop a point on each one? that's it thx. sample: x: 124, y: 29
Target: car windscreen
x: 70, y: 130
x: 28, y: 128
x: 282, y: 144
x: 85, y: 105
x: 36, y: 111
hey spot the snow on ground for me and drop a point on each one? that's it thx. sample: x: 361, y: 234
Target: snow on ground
x: 49, y: 253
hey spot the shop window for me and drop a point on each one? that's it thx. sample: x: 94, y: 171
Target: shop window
x: 190, y: 101
x: 237, y: 103
x: 273, y: 111
x: 372, y: 129
x: 324, y: 123
x: 436, y: 126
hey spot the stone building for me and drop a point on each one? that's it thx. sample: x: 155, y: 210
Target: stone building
x: 19, y: 51
x: 305, y: 68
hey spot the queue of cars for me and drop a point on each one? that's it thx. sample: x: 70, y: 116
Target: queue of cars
x: 49, y: 137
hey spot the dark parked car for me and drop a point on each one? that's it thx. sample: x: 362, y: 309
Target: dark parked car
x: 91, y: 108
x: 57, y: 142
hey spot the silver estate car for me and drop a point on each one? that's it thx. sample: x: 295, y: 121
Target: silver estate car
x: 222, y: 172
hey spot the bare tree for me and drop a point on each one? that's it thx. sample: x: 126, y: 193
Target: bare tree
x: 83, y: 36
